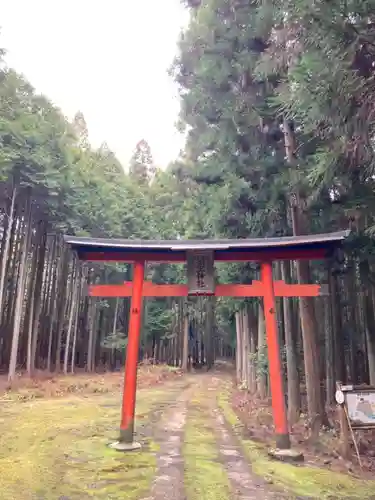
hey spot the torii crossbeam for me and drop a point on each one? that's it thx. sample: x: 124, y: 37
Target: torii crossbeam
x: 256, y: 289
x: 200, y: 257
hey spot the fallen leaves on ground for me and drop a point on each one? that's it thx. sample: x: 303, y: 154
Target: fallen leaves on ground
x: 49, y: 385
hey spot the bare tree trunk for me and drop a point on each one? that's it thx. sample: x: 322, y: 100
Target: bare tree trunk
x: 294, y: 400
x: 238, y: 349
x: 311, y: 354
x: 73, y: 305
x: 52, y: 304
x: 30, y: 322
x: 20, y: 294
x: 72, y: 364
x: 91, y: 318
x: 253, y: 330
x: 339, y: 356
x: 306, y: 306
x: 38, y: 297
x: 246, y: 350
x: 210, y: 319
x: 354, y: 323
x: 261, y: 373
x: 186, y: 342
x: 369, y: 319
x: 95, y: 339
x: 61, y: 305
x: 5, y: 255
x: 330, y: 359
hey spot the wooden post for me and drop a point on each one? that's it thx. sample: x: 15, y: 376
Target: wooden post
x: 344, y: 433
x: 130, y: 382
x: 344, y: 427
x: 274, y: 360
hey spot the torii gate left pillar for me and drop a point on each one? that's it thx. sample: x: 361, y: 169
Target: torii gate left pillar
x: 126, y: 441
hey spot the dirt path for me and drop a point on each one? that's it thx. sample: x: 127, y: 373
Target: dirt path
x: 168, y: 483
x: 246, y: 485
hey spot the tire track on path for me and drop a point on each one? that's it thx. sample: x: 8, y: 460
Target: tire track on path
x: 169, y: 435
x: 245, y: 484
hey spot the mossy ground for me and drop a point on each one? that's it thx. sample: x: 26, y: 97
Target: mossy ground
x: 205, y: 476
x: 311, y: 482
x: 57, y: 448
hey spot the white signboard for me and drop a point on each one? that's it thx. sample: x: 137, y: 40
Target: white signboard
x: 361, y: 408
x: 360, y: 404
x: 200, y: 272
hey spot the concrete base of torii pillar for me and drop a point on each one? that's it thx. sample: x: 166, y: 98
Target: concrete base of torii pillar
x: 121, y: 446
x: 288, y: 455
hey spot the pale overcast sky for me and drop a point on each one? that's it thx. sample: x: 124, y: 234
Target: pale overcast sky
x: 108, y: 59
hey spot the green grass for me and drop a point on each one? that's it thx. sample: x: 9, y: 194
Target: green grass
x: 50, y: 448
x: 205, y: 476
x: 300, y: 480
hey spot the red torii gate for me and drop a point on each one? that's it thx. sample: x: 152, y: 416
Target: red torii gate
x: 265, y: 251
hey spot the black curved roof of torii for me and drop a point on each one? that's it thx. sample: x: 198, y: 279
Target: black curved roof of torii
x: 84, y: 246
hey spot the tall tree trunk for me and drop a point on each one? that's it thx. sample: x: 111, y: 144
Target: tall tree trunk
x: 294, y: 399
x: 52, y: 314
x: 5, y: 253
x: 354, y: 323
x: 95, y: 339
x: 61, y: 304
x: 337, y: 332
x: 73, y: 305
x: 239, y: 356
x: 246, y: 348
x: 30, y: 310
x: 311, y: 351
x: 329, y: 351
x: 306, y: 306
x: 90, y: 346
x: 253, y: 329
x: 186, y: 342
x: 20, y: 292
x: 368, y: 310
x: 262, y: 355
x: 38, y: 296
x: 210, y: 319
x: 72, y: 364
x: 114, y: 329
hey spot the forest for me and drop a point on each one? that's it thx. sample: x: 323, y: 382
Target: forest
x: 278, y: 107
